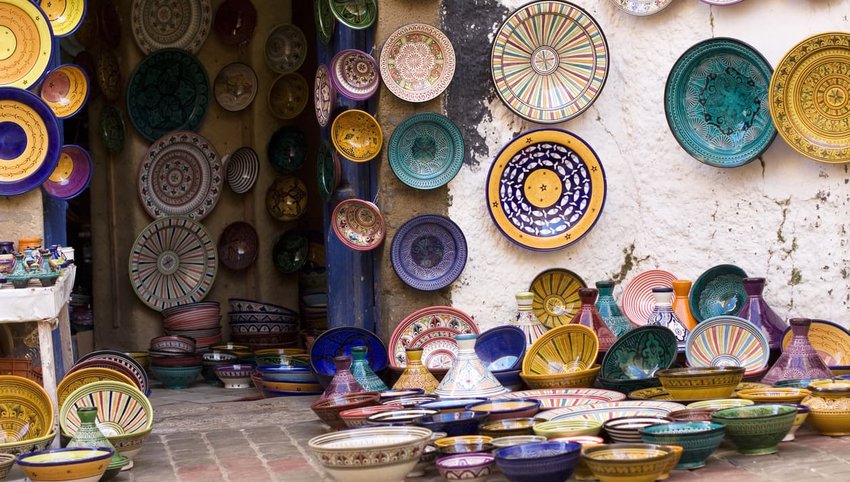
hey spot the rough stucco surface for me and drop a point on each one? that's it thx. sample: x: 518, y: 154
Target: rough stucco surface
x: 782, y: 216
x: 23, y: 216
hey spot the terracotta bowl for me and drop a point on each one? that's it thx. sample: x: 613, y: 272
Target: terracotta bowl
x: 578, y: 379
x: 502, y: 409
x: 464, y: 444
x: 508, y: 427
x: 703, y: 383
x: 642, y: 462
x: 473, y: 467
x: 73, y: 464
x: 328, y: 410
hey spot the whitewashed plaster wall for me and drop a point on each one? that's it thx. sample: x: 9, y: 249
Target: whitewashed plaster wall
x: 783, y: 216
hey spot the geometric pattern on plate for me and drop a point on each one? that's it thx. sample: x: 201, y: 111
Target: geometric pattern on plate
x: 355, y: 74
x: 159, y: 24
x: 358, y: 224
x: 417, y: 62
x: 727, y: 341
x: 242, y: 169
x: 324, y: 95
x: 641, y: 7
x: 429, y: 252
x: 432, y: 330
x: 556, y: 296
x: 637, y: 300
x: 426, y: 151
x: 609, y: 410
x: 121, y: 408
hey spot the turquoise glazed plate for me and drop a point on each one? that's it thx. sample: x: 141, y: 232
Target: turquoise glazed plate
x: 426, y: 151
x: 639, y: 353
x: 718, y: 291
x: 716, y: 102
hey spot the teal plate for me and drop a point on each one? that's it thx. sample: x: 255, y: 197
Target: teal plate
x: 716, y: 102
x: 355, y: 14
x: 327, y: 170
x: 426, y: 151
x: 639, y: 353
x: 718, y: 291
x: 325, y: 20
x: 168, y: 91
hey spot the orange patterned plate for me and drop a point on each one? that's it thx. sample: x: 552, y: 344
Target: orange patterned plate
x: 65, y: 15
x: 26, y: 43
x: 356, y: 135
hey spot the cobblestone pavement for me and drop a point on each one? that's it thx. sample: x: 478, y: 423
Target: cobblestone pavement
x: 211, y: 434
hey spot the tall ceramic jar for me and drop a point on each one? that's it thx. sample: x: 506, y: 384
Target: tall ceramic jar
x: 343, y: 381
x: 681, y: 306
x: 589, y: 317
x: 363, y: 372
x: 799, y: 359
x: 416, y: 375
x: 525, y: 318
x: 758, y: 312
x: 609, y: 311
x: 468, y: 377
x: 662, y: 314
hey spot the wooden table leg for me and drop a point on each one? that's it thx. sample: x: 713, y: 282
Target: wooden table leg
x: 65, y: 338
x: 48, y: 366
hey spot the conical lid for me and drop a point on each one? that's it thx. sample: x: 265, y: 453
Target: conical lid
x: 468, y: 377
x: 363, y: 372
x: 799, y: 359
x: 343, y: 381
x: 416, y: 375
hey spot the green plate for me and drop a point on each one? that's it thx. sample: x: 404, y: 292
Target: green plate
x: 327, y: 170
x: 325, y: 21
x: 716, y: 102
x: 356, y: 14
x: 718, y: 291
x: 290, y: 251
x: 639, y: 353
x: 426, y: 151
x: 168, y: 91
x: 112, y: 128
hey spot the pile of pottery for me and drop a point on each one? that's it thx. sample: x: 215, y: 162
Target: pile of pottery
x: 125, y: 364
x: 314, y: 308
x: 199, y: 321
x: 262, y: 325
x: 32, y: 264
x: 284, y: 372
x: 174, y: 360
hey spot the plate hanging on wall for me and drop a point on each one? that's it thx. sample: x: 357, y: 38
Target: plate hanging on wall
x: 429, y: 252
x: 432, y: 330
x: 716, y: 101
x: 65, y: 90
x: 417, y: 62
x: 324, y: 95
x: 65, y: 16
x: 235, y: 86
x: 426, y: 151
x: 355, y: 14
x: 358, y: 224
x: 556, y: 298
x: 238, y: 246
x: 72, y: 175
x: 162, y: 24
x: 235, y: 21
x: 637, y: 300
x: 355, y: 74
x: 28, y: 43
x: 324, y: 19
x: 168, y: 91
x: 30, y: 141
x: 641, y: 7
x: 549, y: 61
x: 173, y: 262
x: 180, y: 175
x: 546, y: 189
x: 286, y: 49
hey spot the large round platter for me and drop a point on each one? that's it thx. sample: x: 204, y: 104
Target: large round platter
x: 718, y: 291
x: 30, y: 141
x: 356, y: 14
x: 181, y: 175
x: 809, y: 97
x: 288, y: 96
x: 429, y: 252
x: 168, y: 91
x: 433, y: 330
x: 830, y: 340
x: 72, y: 175
x: 65, y: 90
x: 639, y: 353
x: 235, y: 86
x: 358, y: 224
x: 642, y: 7
x: 716, y: 101
x: 78, y: 378
x: 27, y: 44
x: 546, y: 189
x: 355, y: 74
x: 556, y: 298
x: 65, y: 16
x: 340, y: 341
x: 162, y: 24
x: 549, y: 61
x: 122, y: 408
x: 606, y: 411
x: 242, y: 169
x: 286, y: 49
x: 551, y: 398
x: 324, y: 95
x: 417, y: 62
x: 727, y: 341
x: 173, y: 262
x: 426, y: 151
x: 238, y: 245
x: 637, y: 300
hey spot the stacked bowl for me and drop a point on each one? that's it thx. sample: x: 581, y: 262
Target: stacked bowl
x: 116, y: 361
x: 314, y: 308
x: 262, y: 325
x: 200, y: 321
x: 284, y: 372
x: 174, y: 361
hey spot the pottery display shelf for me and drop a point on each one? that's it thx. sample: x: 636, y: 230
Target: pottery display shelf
x: 48, y: 307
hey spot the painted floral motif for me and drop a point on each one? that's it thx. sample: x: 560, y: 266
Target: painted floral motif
x: 433, y: 330
x: 417, y: 62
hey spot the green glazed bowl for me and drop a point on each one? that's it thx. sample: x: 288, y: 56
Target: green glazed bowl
x: 698, y: 439
x: 756, y: 429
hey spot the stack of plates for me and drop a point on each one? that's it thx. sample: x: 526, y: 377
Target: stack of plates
x: 283, y: 380
x: 262, y: 325
x: 314, y: 308
x: 201, y: 321
x: 116, y: 361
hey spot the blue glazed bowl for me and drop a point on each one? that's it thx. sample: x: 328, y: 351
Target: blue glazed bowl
x: 698, y: 439
x: 539, y: 462
x: 501, y: 348
x: 339, y: 341
x: 286, y: 374
x: 510, y: 380
x: 176, y: 377
x: 453, y: 423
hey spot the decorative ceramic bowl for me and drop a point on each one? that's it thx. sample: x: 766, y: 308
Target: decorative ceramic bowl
x: 287, y: 149
x: 627, y: 429
x: 628, y: 385
x: 65, y: 90
x: 400, y: 416
x: 285, y: 49
x: 242, y: 304
x: 328, y: 410
x: 673, y: 462
x: 450, y: 405
x: 718, y: 291
x: 830, y: 389
x: 582, y: 472
x: 173, y: 344
x: 355, y: 74
x: 29, y: 445
x: 288, y: 95
x: 721, y: 404
x: 176, y: 377
x: 474, y: 467
x: 235, y: 376
x: 567, y: 428
x: 286, y: 198
x: 370, y: 454
x: 701, y: 383
x: 774, y: 395
x: 358, y: 224
x: 510, y: 441
x: 637, y: 355
x: 627, y: 462
x: 698, y: 439
x: 28, y: 413
x: 464, y: 444
x: 412, y: 402
x: 286, y: 374
x: 501, y: 409
x: 501, y: 348
x: 6, y: 462
x: 538, y: 462
x: 242, y: 168
x: 141, y: 357
x: 568, y: 397
x: 508, y: 427
x: 566, y: 349
x: 70, y: 464
x: 390, y: 395
x: 78, y: 378
x: 728, y: 341
x: 802, y: 415
x: 356, y: 135
x: 756, y: 429
x: 829, y: 421
x: 235, y: 86
x: 578, y: 379
x: 359, y: 417
x: 453, y: 423
x: 429, y: 456
x: 511, y: 379
x: 692, y: 415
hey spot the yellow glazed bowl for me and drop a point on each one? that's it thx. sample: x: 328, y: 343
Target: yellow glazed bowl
x: 831, y: 389
x: 463, y: 444
x: 568, y: 428
x: 721, y: 404
x: 286, y: 200
x: 700, y: 383
x: 628, y: 462
x: 25, y: 408
x: 565, y: 349
x: 677, y: 454
x: 24, y: 446
x: 356, y: 135
x: 835, y: 423
x: 774, y: 395
x: 579, y: 379
x: 70, y: 464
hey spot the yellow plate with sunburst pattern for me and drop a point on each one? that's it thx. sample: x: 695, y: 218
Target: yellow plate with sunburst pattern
x: 565, y: 349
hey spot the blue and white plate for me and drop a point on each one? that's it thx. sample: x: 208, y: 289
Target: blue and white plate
x: 429, y: 252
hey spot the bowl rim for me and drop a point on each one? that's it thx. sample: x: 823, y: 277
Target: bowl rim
x: 787, y: 410
x: 659, y: 419
x: 420, y: 435
x: 569, y: 449
x: 699, y: 371
x: 551, y: 376
x: 444, y: 462
x: 502, y: 423
x: 22, y: 459
x: 456, y: 417
x: 550, y: 425
x: 706, y: 428
x: 413, y: 413
x: 519, y: 439
x: 590, y: 451
x: 346, y: 399
x: 530, y: 403
x: 463, y: 440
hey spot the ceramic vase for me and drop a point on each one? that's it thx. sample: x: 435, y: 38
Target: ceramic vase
x: 468, y: 377
x: 757, y: 312
x: 609, y: 311
x: 343, y: 381
x: 681, y: 306
x: 416, y: 375
x: 525, y: 318
x: 88, y: 435
x: 363, y: 372
x: 589, y: 317
x: 663, y: 315
x: 799, y: 359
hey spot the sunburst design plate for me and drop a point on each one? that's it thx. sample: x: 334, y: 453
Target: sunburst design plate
x: 642, y: 7
x: 556, y: 298
x: 637, y: 300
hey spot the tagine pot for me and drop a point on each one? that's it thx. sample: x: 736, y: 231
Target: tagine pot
x: 416, y: 375
x: 468, y: 377
x: 759, y: 313
x: 343, y: 381
x: 363, y: 372
x: 609, y: 311
x: 589, y: 317
x: 799, y: 359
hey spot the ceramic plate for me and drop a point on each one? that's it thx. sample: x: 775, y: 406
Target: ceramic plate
x: 65, y: 90
x: 65, y: 16
x: 118, y: 359
x: 641, y: 7
x: 324, y: 95
x: 238, y: 246
x: 429, y: 252
x: 358, y: 224
x: 235, y: 21
x: 72, y: 174
x: 426, y: 151
x: 546, y: 189
x: 168, y: 91
x: 356, y: 14
x: 718, y: 291
x: 286, y: 198
x: 286, y: 49
x: 180, y: 175
x: 28, y: 48
x: 727, y: 341
x: 288, y: 96
x: 433, y: 330
x: 287, y: 149
x: 162, y: 24
x: 290, y: 251
x: 324, y: 20
x: 830, y: 340
x: 637, y: 300
x: 717, y: 104
x: 640, y: 353
x: 355, y: 74
x: 356, y: 135
x: 556, y: 298
x: 173, y: 262
x: 606, y: 411
x: 30, y: 140
x: 549, y: 61
x: 339, y: 341
x: 112, y: 128
x: 235, y: 86
x: 122, y: 408
x: 808, y: 97
x: 568, y: 397
x: 328, y: 170
x: 417, y: 62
